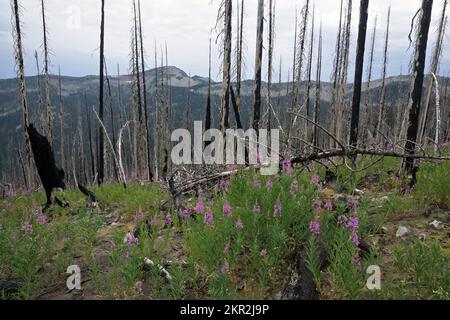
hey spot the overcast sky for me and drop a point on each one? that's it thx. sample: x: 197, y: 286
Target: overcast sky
x: 186, y: 25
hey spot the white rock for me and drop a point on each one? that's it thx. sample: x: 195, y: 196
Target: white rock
x: 437, y: 225
x: 402, y: 232
x: 422, y: 237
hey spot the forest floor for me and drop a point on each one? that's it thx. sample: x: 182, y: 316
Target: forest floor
x: 236, y: 239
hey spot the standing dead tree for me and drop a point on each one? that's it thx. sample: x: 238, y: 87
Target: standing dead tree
x: 239, y: 54
x: 367, y: 101
x: 258, y: 67
x: 417, y: 82
x: 18, y: 53
x: 226, y: 15
x: 48, y: 103
x: 359, y: 67
x: 101, y: 142
x: 382, y: 108
x: 318, y: 93
x: 61, y: 119
x: 299, y: 60
x: 434, y: 70
x: 335, y: 76
x: 341, y: 110
x: 145, y: 105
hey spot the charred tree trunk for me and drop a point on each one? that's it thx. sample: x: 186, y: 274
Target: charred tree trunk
x: 17, y: 38
x: 101, y: 143
x: 382, y: 110
x: 226, y: 83
x: 318, y: 87
x: 258, y: 67
x: 359, y: 68
x: 417, y: 83
x: 48, y: 103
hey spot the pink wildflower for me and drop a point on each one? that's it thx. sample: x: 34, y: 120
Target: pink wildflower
x: 328, y: 205
x: 200, y: 208
x: 315, y: 180
x: 263, y: 253
x: 186, y: 213
x: 314, y: 227
x: 228, y: 210
x: 131, y: 240
x: 354, y: 237
x: 287, y: 167
x: 27, y: 227
x: 239, y: 224
x: 139, y: 216
x: 342, y: 220
x: 227, y: 248
x: 277, y: 210
x: 257, y: 183
x: 256, y: 209
x: 41, y: 219
x: 209, y: 218
x: 168, y: 220
x: 294, y: 188
x: 269, y: 184
x: 352, y: 203
x: 225, y: 268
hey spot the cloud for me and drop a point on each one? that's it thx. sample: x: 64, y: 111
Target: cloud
x: 185, y: 26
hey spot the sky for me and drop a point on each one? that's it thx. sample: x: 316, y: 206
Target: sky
x: 186, y: 27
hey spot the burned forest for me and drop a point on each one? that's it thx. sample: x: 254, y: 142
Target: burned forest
x: 310, y: 160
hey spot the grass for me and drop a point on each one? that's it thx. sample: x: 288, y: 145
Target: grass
x: 240, y: 243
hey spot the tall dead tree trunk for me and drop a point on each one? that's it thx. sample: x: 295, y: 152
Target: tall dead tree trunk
x: 434, y: 70
x: 417, y: 82
x: 341, y: 118
x: 335, y: 79
x: 269, y: 108
x: 91, y: 145
x: 48, y: 103
x: 101, y: 142
x: 144, y: 85
x: 208, y: 98
x: 318, y: 93
x: 18, y: 51
x: 382, y: 109
x: 359, y: 69
x: 367, y: 101
x: 258, y: 66
x: 61, y: 119
x: 308, y: 87
x: 226, y: 82
x: 239, y: 57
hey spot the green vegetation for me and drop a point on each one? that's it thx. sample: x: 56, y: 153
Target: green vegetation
x: 237, y: 241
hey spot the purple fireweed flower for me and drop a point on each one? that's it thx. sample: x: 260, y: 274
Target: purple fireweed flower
x: 186, y: 213
x: 277, y: 210
x: 287, y: 167
x: 256, y: 209
x: 315, y: 180
x: 227, y: 248
x: 199, y: 208
x: 294, y: 188
x: 41, y: 219
x: 225, y: 268
x: 200, y: 192
x: 228, y: 210
x: 139, y: 216
x: 354, y: 237
x: 239, y: 224
x: 132, y: 240
x: 314, y: 227
x: 328, y: 205
x: 352, y: 203
x: 27, y: 227
x: 223, y: 185
x: 257, y: 183
x: 269, y: 184
x: 342, y: 220
x: 317, y: 204
x: 263, y: 253
x: 209, y: 218
x: 168, y: 220
x: 353, y: 223
x: 234, y: 168
x: 356, y: 261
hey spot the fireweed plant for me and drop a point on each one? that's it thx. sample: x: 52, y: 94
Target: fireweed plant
x: 249, y: 232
